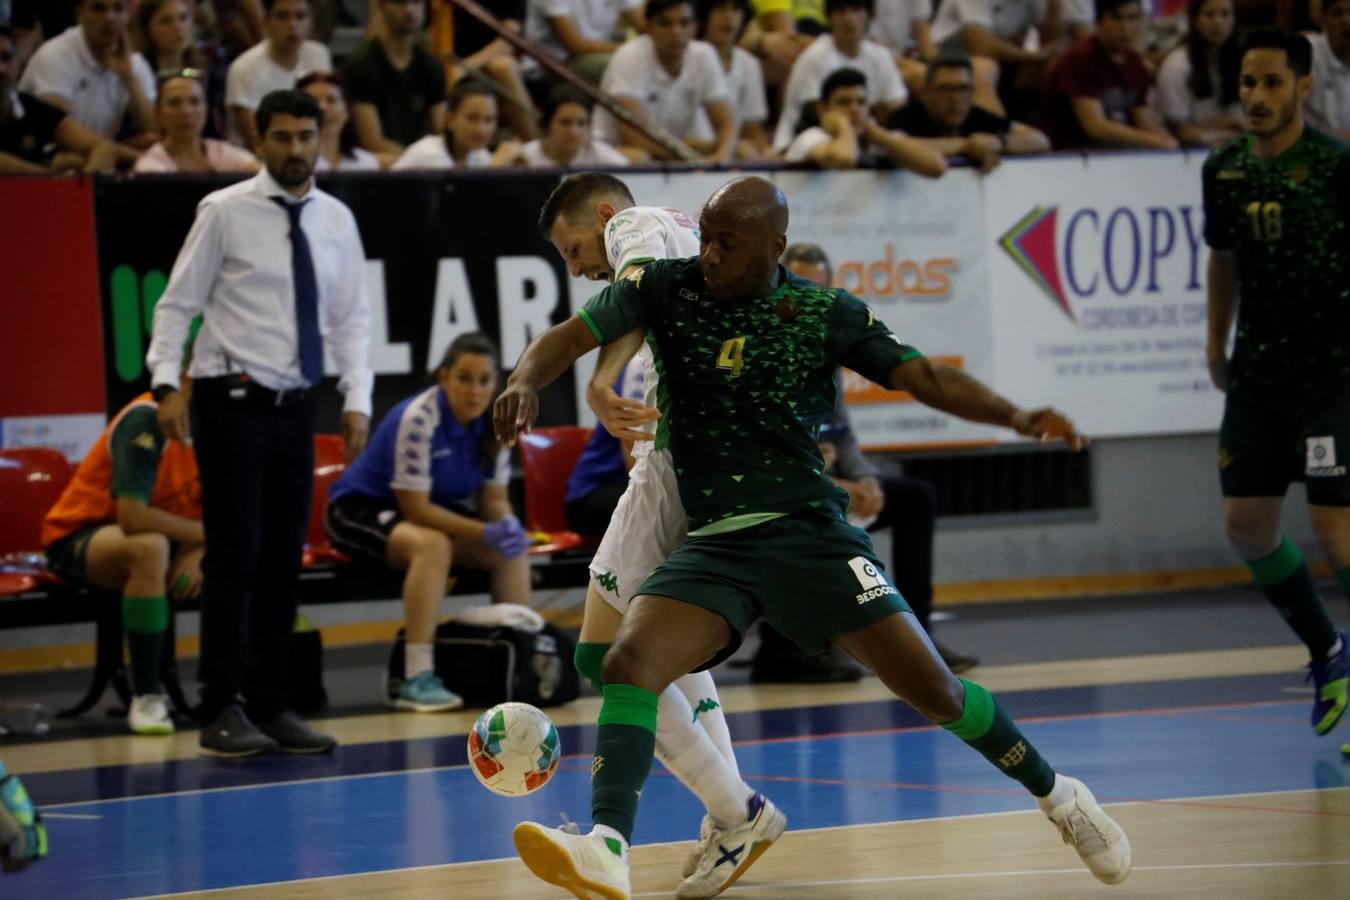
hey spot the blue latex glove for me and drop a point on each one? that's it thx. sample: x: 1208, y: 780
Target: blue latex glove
x: 23, y: 837
x: 507, y: 537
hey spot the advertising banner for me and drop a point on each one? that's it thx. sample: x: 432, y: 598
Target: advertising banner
x: 1097, y: 291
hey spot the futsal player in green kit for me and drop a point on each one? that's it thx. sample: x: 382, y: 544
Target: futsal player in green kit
x: 1277, y: 220
x: 747, y: 355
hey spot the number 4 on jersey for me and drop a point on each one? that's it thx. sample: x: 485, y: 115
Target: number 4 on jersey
x: 732, y: 356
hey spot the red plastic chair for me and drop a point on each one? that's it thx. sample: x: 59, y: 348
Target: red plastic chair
x: 31, y: 481
x: 330, y: 461
x: 549, y: 456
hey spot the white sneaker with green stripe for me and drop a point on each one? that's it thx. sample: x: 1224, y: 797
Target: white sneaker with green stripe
x: 589, y: 866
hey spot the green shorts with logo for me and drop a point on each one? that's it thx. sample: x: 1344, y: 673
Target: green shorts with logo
x: 65, y: 556
x: 1268, y: 442
x: 812, y: 576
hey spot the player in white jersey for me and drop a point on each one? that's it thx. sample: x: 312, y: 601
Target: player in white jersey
x: 593, y: 222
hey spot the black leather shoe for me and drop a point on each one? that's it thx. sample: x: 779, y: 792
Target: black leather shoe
x: 292, y: 735
x: 232, y: 734
x: 957, y: 662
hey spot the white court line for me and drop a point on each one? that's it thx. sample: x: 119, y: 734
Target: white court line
x: 987, y: 815
x: 51, y: 815
x: 1013, y: 873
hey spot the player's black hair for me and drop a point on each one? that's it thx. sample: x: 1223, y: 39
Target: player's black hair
x: 560, y: 96
x: 811, y: 254
x: 464, y: 89
x: 287, y: 103
x: 950, y: 61
x: 841, y: 78
x: 706, y: 7
x: 1297, y: 50
x: 1107, y: 7
x: 478, y: 344
x: 268, y: 4
x: 577, y: 195
x: 654, y: 8
x: 840, y: 5
x: 1230, y: 61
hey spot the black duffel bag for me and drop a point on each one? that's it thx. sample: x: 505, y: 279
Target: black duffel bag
x: 491, y: 665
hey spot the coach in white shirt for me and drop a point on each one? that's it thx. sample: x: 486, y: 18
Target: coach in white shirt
x: 276, y: 63
x: 665, y: 77
x: 1328, y: 106
x: 90, y: 72
x: 276, y: 270
x: 845, y: 46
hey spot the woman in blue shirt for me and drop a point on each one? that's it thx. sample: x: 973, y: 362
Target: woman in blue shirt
x: 429, y: 490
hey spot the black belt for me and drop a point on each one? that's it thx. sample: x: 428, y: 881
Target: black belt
x: 230, y: 384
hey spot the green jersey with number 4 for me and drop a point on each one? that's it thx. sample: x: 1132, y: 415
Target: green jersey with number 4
x: 746, y: 385
x: 1287, y: 221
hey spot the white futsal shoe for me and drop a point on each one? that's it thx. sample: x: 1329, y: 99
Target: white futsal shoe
x: 728, y: 853
x: 705, y: 830
x: 149, y: 714
x: 1086, y: 827
x: 584, y: 864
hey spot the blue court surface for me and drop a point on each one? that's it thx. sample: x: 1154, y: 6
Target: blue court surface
x: 201, y: 824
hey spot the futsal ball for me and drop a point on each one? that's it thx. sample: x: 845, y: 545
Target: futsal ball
x: 513, y: 749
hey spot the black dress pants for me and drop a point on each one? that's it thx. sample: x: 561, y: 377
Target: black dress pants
x: 256, y: 457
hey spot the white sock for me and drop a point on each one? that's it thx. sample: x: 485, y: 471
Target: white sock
x: 417, y: 658
x: 691, y: 756
x: 1060, y: 794
x: 699, y: 690
x: 1335, y: 648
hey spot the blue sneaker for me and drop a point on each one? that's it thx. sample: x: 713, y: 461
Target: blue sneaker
x: 424, y: 692
x: 23, y: 837
x: 1330, y: 678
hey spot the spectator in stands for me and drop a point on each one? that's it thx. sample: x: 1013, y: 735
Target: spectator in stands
x: 1097, y: 94
x: 601, y: 474
x: 908, y: 506
x: 483, y: 53
x: 181, y: 107
x: 666, y: 78
x: 470, y: 123
x: 946, y: 118
x: 397, y: 89
x: 846, y: 45
x: 338, y: 150
x: 130, y: 521
x: 581, y: 32
x: 721, y: 24
x: 276, y: 63
x: 164, y: 33
x: 848, y: 135
x: 90, y: 72
x: 781, y: 31
x: 1198, y: 81
x: 429, y: 491
x: 1328, y: 105
x: 37, y: 137
x: 904, y: 26
x: 567, y: 140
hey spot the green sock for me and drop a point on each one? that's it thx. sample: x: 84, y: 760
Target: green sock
x: 624, y: 744
x: 1285, y: 580
x: 589, y: 658
x: 145, y: 620
x: 985, y: 726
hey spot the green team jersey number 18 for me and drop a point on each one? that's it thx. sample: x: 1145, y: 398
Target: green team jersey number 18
x: 732, y: 356
x: 1267, y: 220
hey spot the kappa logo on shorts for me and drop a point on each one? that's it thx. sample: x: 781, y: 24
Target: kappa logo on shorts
x: 1322, y: 458
x: 873, y: 582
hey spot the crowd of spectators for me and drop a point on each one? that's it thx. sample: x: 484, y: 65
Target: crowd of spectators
x: 173, y: 85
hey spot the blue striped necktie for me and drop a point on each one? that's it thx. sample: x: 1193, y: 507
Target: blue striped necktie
x: 306, y: 296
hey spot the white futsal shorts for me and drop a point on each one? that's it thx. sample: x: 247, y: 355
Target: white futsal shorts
x: 648, y: 524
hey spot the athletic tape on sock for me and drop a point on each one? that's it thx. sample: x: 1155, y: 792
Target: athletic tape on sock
x: 1277, y: 566
x: 977, y: 715
x: 145, y: 615
x: 628, y: 704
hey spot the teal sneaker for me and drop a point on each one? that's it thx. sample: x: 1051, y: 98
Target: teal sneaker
x: 424, y: 692
x: 1330, y: 678
x: 23, y: 837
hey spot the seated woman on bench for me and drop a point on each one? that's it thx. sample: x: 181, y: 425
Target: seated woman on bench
x: 130, y: 521
x: 429, y: 490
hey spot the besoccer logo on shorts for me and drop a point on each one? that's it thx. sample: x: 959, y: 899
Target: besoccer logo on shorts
x: 1322, y: 458
x: 874, y: 584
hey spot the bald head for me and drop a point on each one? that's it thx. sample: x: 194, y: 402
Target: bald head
x: 744, y: 231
